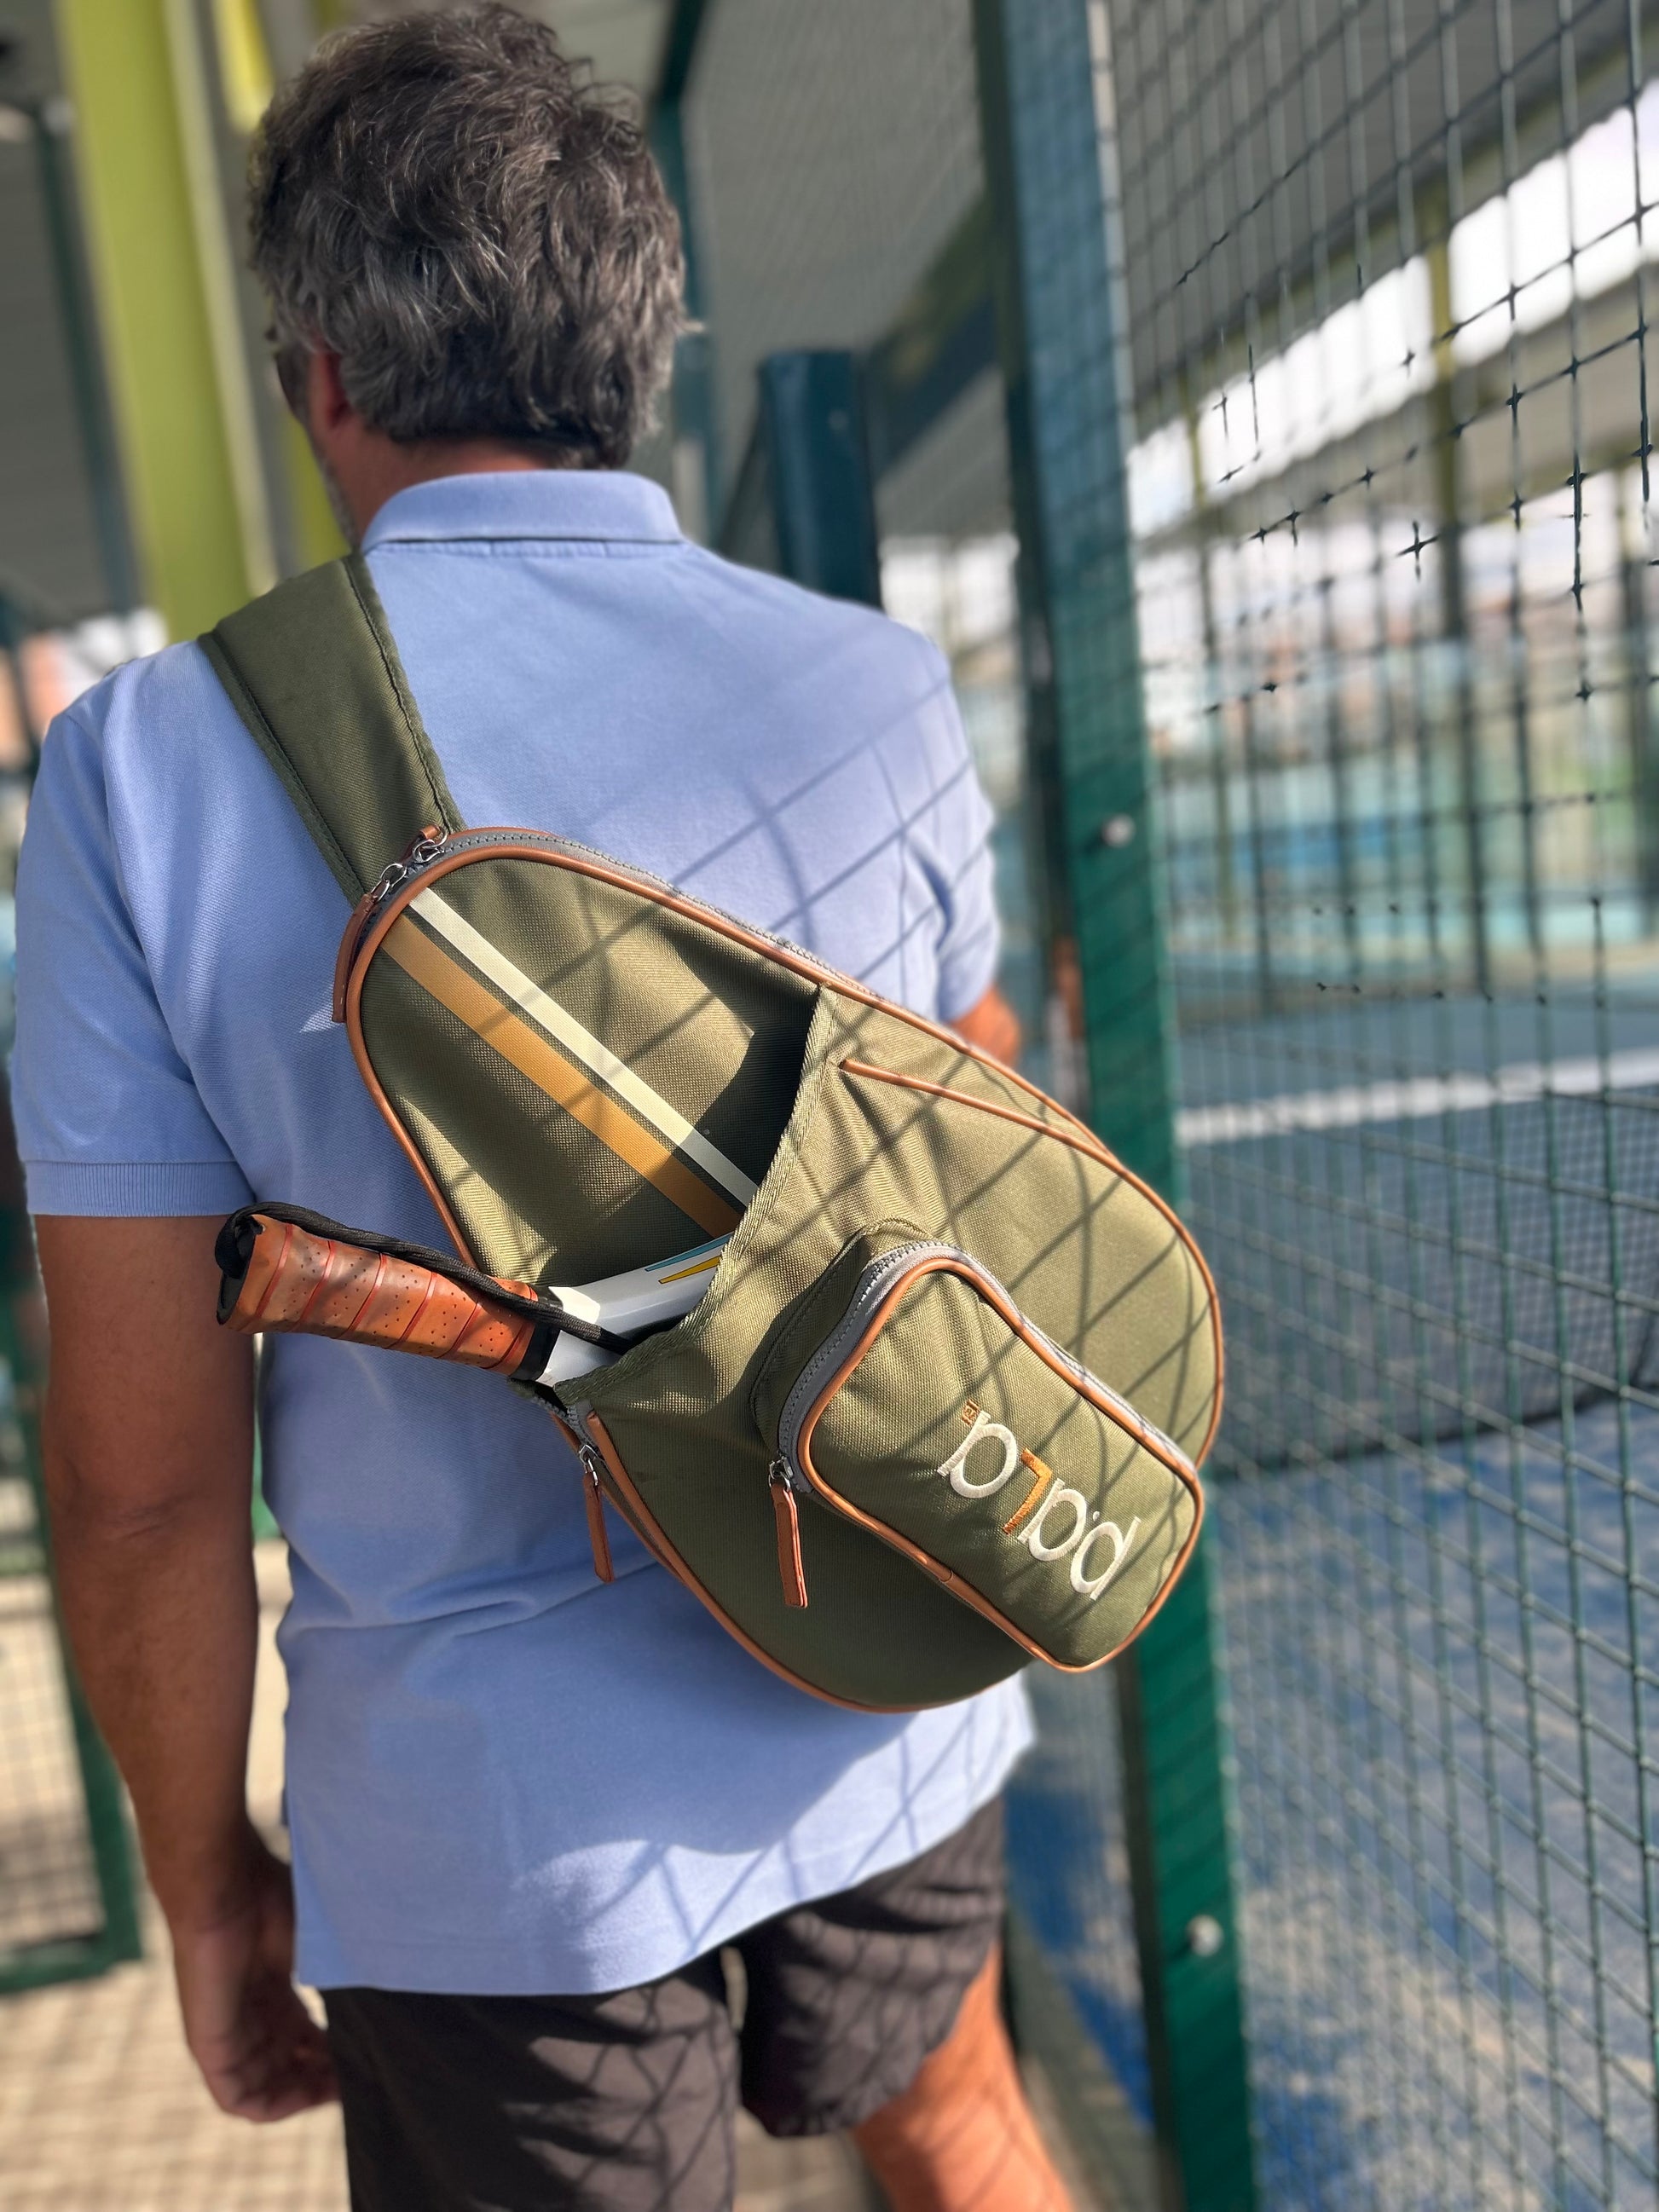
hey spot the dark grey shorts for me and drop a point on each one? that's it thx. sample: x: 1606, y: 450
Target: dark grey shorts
x: 625, y: 2102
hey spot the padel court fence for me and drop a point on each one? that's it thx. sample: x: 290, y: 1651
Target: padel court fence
x: 1254, y: 402
x: 68, y: 1898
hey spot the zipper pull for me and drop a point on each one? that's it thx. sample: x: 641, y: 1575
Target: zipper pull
x: 593, y: 1499
x: 791, y: 1572
x: 416, y: 854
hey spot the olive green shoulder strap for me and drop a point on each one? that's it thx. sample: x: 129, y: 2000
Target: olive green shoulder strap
x: 311, y: 670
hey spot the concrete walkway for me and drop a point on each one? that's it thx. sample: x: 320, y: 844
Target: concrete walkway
x: 100, y: 2109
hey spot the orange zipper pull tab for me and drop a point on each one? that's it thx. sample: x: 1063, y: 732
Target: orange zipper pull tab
x: 593, y: 1499
x: 791, y: 1572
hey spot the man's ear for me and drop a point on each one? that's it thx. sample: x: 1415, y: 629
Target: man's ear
x: 326, y: 406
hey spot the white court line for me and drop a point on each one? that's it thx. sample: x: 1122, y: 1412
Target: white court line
x: 1415, y: 1098
x: 547, y: 1013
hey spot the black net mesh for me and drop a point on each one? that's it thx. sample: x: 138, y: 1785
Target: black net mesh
x: 1383, y: 269
x: 1388, y: 265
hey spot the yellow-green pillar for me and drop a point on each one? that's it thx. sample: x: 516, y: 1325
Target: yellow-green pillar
x: 164, y: 272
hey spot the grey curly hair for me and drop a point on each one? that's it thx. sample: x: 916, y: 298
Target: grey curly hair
x: 478, y: 232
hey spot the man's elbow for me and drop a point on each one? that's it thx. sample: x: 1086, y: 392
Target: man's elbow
x: 95, y: 1500
x: 85, y: 1510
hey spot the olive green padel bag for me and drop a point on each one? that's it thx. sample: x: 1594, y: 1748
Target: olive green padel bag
x: 938, y: 1408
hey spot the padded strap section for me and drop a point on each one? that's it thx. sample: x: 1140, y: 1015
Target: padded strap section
x: 311, y: 670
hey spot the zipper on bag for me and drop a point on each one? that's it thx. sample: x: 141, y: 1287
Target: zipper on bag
x: 881, y: 1284
x: 874, y: 1284
x: 597, y: 1460
x: 434, y: 844
x: 785, y: 1486
x: 588, y: 1458
x: 419, y: 852
x: 593, y: 1502
x: 872, y: 1287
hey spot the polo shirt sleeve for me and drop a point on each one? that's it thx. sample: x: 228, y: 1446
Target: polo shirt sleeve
x: 109, y: 1121
x: 959, y: 857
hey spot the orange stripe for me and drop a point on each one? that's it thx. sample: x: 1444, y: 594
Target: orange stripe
x: 1045, y: 1475
x: 450, y: 984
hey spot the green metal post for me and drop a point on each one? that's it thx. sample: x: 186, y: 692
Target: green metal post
x: 1061, y: 333
x: 695, y: 402
x: 12, y: 634
x: 812, y: 411
x: 51, y: 123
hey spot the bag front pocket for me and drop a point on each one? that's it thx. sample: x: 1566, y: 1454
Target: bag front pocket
x: 933, y: 1414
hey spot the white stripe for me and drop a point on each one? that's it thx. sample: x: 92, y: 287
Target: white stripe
x: 547, y: 1014
x: 1415, y: 1098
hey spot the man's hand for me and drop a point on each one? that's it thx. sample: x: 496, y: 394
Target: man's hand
x: 992, y: 1024
x: 261, y: 2054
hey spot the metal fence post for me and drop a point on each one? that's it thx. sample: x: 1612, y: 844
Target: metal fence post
x: 700, y: 489
x: 823, y: 506
x: 1060, y: 333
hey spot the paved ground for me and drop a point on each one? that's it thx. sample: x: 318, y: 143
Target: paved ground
x: 101, y: 2112
x: 100, y: 2109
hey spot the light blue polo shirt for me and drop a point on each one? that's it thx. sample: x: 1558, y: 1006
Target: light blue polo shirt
x: 502, y: 1776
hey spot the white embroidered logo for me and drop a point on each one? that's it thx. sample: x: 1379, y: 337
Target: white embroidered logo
x: 1047, y: 1498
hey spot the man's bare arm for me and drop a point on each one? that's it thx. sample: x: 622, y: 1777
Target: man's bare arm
x: 149, y: 1441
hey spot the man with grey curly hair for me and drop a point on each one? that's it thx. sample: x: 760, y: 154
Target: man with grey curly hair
x: 478, y: 238
x: 529, y: 1814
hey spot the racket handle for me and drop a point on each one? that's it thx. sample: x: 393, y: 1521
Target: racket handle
x: 300, y: 1282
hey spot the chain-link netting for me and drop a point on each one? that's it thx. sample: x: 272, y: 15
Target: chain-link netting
x: 49, y: 1889
x: 1382, y: 271
x: 834, y: 161
x: 1387, y: 266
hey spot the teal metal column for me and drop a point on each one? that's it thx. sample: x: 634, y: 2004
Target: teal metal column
x: 51, y: 123
x: 1062, y: 339
x: 695, y: 405
x: 823, y: 508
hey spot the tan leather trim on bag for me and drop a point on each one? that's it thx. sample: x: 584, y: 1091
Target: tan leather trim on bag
x: 1081, y: 1140
x: 1168, y: 1455
x: 651, y: 1533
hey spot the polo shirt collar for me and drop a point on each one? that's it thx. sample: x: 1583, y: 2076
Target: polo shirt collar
x: 597, y: 504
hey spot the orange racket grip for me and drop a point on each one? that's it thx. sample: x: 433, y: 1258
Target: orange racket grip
x: 299, y: 1282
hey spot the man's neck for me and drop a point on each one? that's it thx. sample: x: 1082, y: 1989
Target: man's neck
x: 363, y: 468
x: 378, y: 468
